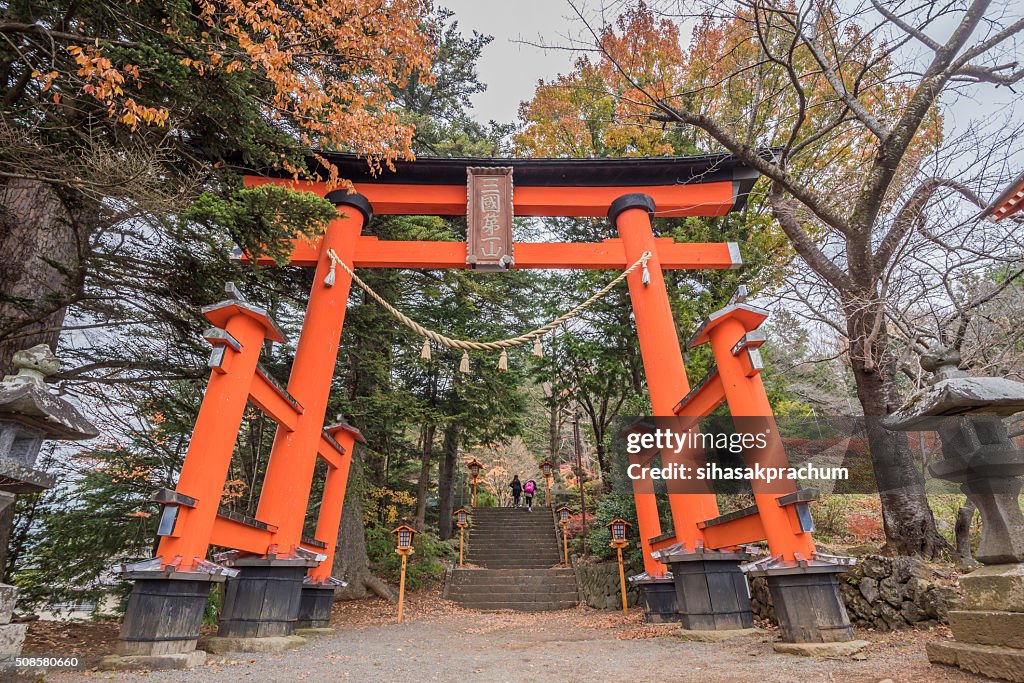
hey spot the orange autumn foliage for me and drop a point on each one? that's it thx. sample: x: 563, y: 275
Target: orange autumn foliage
x: 606, y: 105
x: 326, y: 68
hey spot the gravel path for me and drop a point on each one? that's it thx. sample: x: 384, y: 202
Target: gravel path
x: 440, y: 642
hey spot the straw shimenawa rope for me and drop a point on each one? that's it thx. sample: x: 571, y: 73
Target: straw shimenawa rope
x: 502, y: 345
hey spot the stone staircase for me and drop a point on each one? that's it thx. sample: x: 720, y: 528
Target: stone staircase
x: 516, y: 552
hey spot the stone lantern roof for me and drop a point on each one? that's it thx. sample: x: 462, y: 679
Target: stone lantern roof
x: 29, y: 415
x: 954, y: 393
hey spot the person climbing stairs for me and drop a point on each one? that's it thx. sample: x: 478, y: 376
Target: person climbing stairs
x: 516, y: 557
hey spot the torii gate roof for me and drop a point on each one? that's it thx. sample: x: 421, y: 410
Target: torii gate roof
x: 715, y: 184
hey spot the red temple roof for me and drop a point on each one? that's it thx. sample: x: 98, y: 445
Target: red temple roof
x: 1009, y: 201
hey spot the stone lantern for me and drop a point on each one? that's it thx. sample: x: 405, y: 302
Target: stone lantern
x: 978, y: 455
x: 29, y: 415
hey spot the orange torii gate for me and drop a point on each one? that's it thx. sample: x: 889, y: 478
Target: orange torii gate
x: 278, y: 577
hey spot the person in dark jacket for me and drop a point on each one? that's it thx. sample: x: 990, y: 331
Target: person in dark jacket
x: 517, y: 490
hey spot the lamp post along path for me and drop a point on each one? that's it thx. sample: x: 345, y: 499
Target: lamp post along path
x: 563, y: 519
x: 546, y: 469
x: 405, y: 535
x: 461, y: 520
x: 618, y: 527
x: 474, y: 472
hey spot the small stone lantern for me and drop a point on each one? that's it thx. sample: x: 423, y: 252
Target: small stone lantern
x: 978, y: 455
x: 29, y: 415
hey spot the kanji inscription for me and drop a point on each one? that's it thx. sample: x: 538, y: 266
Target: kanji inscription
x: 489, y: 217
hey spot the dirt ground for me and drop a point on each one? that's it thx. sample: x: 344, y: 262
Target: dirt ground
x: 442, y: 642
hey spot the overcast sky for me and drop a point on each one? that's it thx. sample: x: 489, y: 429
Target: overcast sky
x: 511, y: 68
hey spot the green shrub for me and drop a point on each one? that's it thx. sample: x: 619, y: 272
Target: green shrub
x: 426, y: 565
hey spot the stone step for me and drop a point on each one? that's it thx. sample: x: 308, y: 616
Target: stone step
x: 506, y: 565
x: 509, y: 573
x: 525, y: 581
x: 498, y: 596
x: 508, y: 528
x: 491, y: 564
x: 497, y: 554
x: 494, y: 606
x: 497, y: 589
x: 540, y: 560
x: 550, y: 558
x: 510, y: 543
x: 506, y: 588
x: 506, y: 537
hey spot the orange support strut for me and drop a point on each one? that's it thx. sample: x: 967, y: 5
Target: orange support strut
x: 745, y: 394
x: 331, y: 504
x: 213, y: 441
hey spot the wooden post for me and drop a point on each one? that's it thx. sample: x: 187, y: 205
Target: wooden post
x: 461, y: 532
x: 474, y: 491
x: 401, y: 589
x: 547, y: 494
x: 565, y: 543
x: 622, y: 581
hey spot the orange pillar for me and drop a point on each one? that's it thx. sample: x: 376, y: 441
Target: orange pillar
x: 213, y: 441
x: 747, y: 399
x: 663, y: 365
x: 289, y: 474
x: 331, y: 505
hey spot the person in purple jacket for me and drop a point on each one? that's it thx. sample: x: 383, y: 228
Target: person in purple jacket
x: 528, y: 490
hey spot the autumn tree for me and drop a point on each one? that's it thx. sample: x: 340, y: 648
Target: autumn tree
x: 596, y: 360
x: 849, y: 97
x: 115, y: 115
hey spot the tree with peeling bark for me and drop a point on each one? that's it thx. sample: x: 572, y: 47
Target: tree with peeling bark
x: 848, y: 99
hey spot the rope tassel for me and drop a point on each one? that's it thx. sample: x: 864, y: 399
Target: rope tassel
x: 464, y: 364
x: 538, y: 350
x: 425, y: 351
x: 645, y: 279
x: 503, y: 361
x: 331, y: 274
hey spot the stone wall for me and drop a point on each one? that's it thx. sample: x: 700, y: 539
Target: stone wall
x: 880, y: 592
x: 599, y: 584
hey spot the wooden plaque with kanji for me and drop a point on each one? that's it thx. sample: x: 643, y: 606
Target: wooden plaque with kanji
x: 489, y: 218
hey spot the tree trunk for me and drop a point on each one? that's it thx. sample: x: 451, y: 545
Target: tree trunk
x: 350, y: 560
x: 908, y: 520
x: 39, y: 275
x: 446, y: 480
x: 423, y: 487
x: 555, y: 437
x: 39, y: 268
